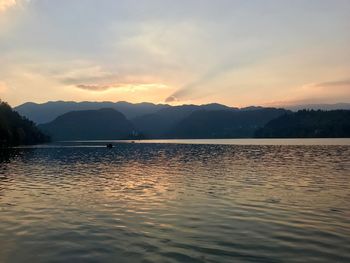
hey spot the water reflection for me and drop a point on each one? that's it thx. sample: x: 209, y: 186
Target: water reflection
x: 175, y: 203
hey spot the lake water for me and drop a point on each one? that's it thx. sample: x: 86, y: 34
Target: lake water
x: 184, y: 201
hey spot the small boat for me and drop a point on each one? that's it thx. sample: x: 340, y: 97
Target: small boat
x: 109, y: 145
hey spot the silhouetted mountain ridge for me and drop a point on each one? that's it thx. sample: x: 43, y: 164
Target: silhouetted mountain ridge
x: 46, y: 112
x: 223, y: 123
x: 89, y: 125
x: 156, y: 125
x: 185, y: 121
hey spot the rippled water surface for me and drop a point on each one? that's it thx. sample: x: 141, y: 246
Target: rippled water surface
x: 176, y: 203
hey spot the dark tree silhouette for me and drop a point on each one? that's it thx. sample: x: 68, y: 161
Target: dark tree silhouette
x: 308, y: 124
x: 17, y: 130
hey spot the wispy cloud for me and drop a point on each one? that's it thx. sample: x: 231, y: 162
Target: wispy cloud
x: 326, y: 88
x: 227, y: 63
x: 319, y: 92
x: 338, y: 83
x: 121, y: 86
x: 94, y: 87
x: 192, y: 87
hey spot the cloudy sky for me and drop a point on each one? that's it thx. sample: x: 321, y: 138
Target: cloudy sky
x: 236, y: 52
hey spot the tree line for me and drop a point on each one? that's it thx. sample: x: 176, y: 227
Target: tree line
x: 17, y: 130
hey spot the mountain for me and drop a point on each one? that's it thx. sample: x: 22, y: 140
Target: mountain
x: 46, y: 112
x: 156, y: 113
x: 223, y: 123
x: 99, y: 124
x: 17, y: 130
x: 309, y: 124
x: 336, y: 106
x: 204, y: 121
x: 157, y: 124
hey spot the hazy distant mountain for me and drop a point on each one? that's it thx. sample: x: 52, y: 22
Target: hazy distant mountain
x: 224, y: 123
x: 83, y: 120
x: 309, y: 124
x: 252, y: 108
x: 206, y: 121
x: 89, y: 125
x: 16, y: 130
x: 46, y: 112
x: 337, y: 106
x: 157, y: 124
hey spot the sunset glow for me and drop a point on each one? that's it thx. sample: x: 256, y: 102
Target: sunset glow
x: 237, y: 52
x: 5, y: 4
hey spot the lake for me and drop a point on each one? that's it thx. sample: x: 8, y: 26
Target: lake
x: 176, y: 201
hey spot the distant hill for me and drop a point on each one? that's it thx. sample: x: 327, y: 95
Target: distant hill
x: 224, y: 123
x: 85, y: 120
x: 186, y: 121
x: 336, y: 106
x: 46, y: 112
x: 309, y: 124
x: 157, y: 124
x: 100, y: 124
x: 195, y: 122
x: 17, y: 130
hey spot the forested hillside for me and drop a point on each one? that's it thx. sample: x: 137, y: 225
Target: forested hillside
x: 309, y: 124
x: 17, y: 130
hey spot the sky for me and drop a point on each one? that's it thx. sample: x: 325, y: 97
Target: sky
x: 235, y: 52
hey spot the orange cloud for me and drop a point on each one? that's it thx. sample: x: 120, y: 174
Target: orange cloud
x: 322, y: 92
x: 326, y: 89
x: 120, y: 86
x: 6, y: 4
x: 94, y: 87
